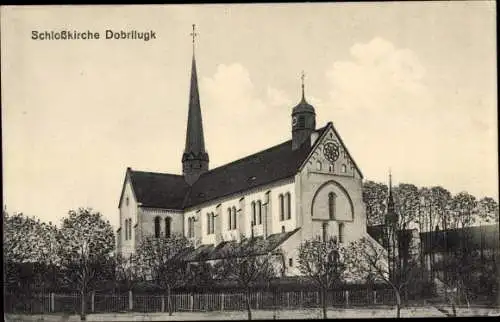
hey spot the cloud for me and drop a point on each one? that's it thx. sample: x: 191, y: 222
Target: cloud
x: 238, y: 118
x: 278, y: 97
x: 380, y: 77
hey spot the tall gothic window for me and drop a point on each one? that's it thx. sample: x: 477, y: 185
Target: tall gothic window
x: 259, y: 212
x: 288, y: 206
x: 325, y: 230
x: 341, y: 232
x: 157, y: 227
x: 234, y: 218
x: 344, y: 168
x: 190, y: 231
x: 331, y: 205
x: 282, y: 207
x: 168, y: 223
x: 212, y: 223
x: 253, y: 214
x: 229, y: 219
x: 126, y: 229
x: 129, y: 228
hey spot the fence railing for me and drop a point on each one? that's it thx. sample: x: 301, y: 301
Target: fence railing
x: 108, y: 303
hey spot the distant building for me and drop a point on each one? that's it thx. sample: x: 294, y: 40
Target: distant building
x: 307, y: 186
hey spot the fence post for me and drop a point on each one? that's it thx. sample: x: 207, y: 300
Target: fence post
x: 92, y: 301
x: 374, y: 297
x: 191, y: 302
x: 301, y: 299
x: 130, y: 301
x: 52, y: 302
x: 288, y: 299
x: 222, y: 302
x: 346, y: 298
x: 163, y: 303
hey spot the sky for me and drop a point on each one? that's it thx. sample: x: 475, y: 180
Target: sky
x: 408, y: 86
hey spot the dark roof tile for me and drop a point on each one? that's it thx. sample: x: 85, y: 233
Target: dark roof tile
x: 159, y: 190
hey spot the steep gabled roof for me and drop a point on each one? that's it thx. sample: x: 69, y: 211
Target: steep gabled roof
x: 322, y: 133
x: 159, y: 190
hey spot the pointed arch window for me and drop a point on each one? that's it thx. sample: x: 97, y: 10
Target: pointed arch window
x: 210, y: 223
x: 288, y: 206
x: 253, y: 213
x: 344, y: 168
x: 282, y: 207
x: 126, y: 229
x: 157, y: 227
x: 168, y: 227
x: 234, y: 218
x: 325, y: 231
x: 190, y: 231
x: 331, y: 205
x: 259, y: 212
x: 318, y: 165
x: 341, y: 232
x: 229, y: 219
x: 130, y: 228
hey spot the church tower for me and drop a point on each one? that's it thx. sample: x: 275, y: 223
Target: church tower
x: 303, y: 121
x: 392, y: 233
x: 195, y: 157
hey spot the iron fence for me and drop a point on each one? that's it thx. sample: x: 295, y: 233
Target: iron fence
x: 195, y: 302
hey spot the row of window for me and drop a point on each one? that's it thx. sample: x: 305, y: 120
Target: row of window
x: 319, y: 167
x: 340, y: 232
x: 168, y: 228
x: 257, y: 208
x: 128, y: 229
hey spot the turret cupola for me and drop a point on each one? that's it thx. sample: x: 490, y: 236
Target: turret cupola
x: 303, y: 121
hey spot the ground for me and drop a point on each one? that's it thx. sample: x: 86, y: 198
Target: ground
x: 427, y: 311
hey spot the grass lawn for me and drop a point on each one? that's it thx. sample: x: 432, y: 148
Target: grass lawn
x: 427, y: 311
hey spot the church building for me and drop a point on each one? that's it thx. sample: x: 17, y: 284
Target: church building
x: 304, y: 187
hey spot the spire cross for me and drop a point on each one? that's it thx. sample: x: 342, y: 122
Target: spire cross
x: 194, y: 33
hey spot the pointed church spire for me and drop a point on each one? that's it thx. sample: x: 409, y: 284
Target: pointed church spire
x: 390, y: 203
x: 391, y: 216
x: 195, y: 158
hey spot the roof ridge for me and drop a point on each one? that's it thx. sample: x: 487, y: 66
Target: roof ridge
x: 246, y: 157
x: 158, y: 173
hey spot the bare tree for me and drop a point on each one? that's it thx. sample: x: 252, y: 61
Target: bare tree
x: 365, y: 258
x: 322, y: 261
x: 127, y: 271
x: 249, y: 263
x: 161, y: 259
